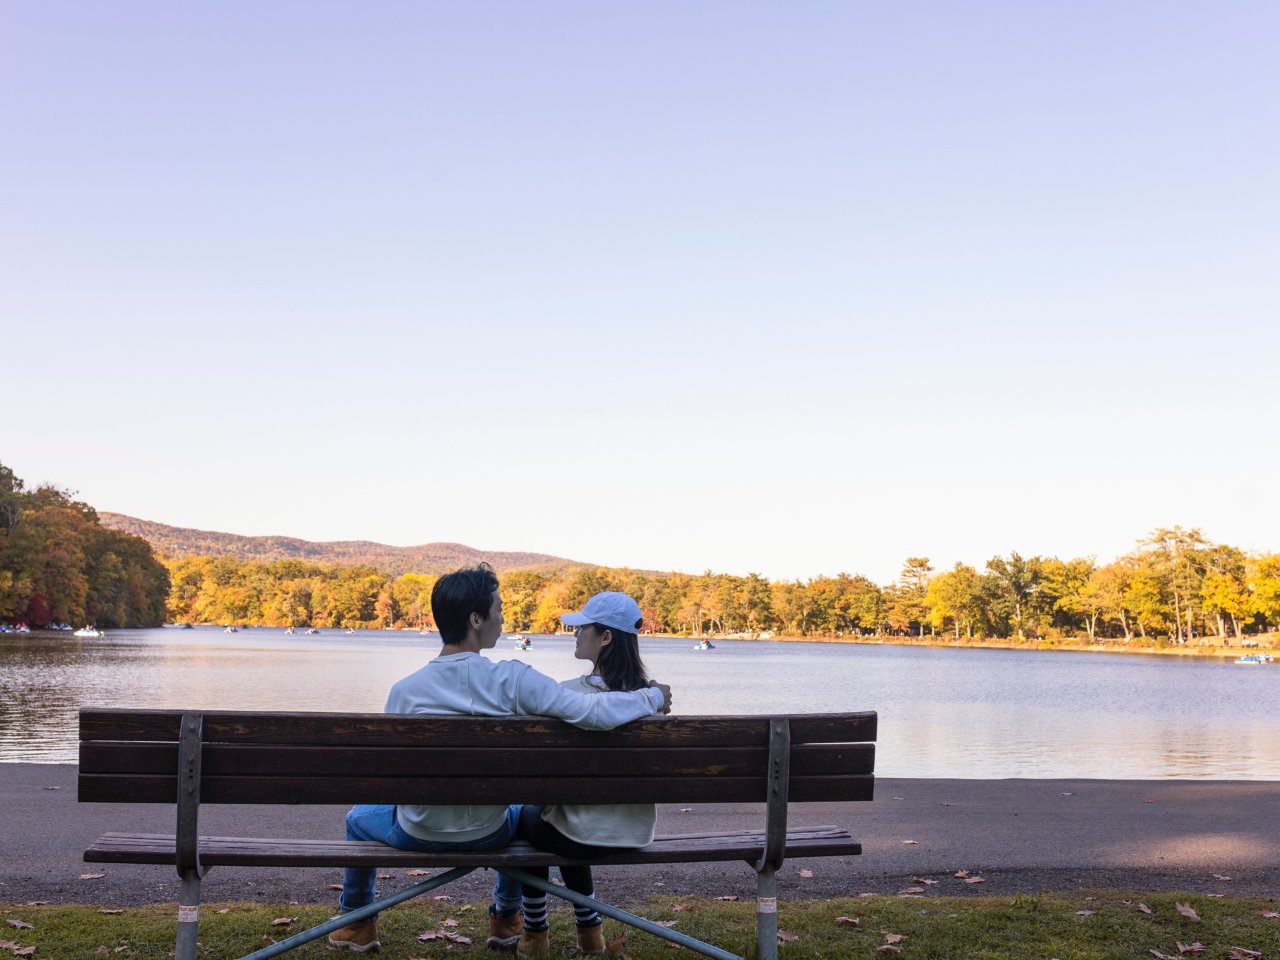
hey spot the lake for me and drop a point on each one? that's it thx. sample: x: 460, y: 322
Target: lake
x: 967, y: 713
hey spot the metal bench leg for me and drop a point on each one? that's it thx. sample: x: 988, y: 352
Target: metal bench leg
x: 188, y: 915
x: 640, y: 923
x: 767, y: 914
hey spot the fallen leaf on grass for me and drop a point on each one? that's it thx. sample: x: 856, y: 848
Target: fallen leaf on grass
x: 426, y: 936
x: 1186, y: 911
x: 1270, y: 915
x: 8, y: 944
x: 806, y: 874
x: 888, y: 948
x: 1144, y: 908
x: 1160, y: 956
x: 283, y: 921
x: 910, y: 891
x: 103, y: 950
x: 444, y: 898
x: 223, y: 910
x: 457, y: 938
x: 1084, y: 913
x: 1213, y: 896
x: 666, y: 923
x: 679, y: 907
x: 617, y: 944
x: 893, y: 937
x: 927, y: 882
x: 1237, y: 953
x: 848, y: 922
x: 729, y: 899
x: 28, y: 951
x: 961, y: 873
x: 1218, y: 876
x: 35, y: 903
x: 975, y: 880
x: 1193, y: 948
x: 91, y: 876
x: 111, y: 912
x: 20, y: 924
x: 786, y: 936
x: 450, y: 922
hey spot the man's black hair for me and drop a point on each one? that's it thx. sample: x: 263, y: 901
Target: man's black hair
x: 459, y: 594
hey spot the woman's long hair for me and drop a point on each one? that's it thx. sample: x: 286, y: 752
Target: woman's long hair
x: 619, y: 663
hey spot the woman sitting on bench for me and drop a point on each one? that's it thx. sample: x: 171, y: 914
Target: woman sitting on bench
x: 606, y: 636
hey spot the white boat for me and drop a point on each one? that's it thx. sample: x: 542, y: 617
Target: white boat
x: 704, y: 645
x: 1256, y: 658
x: 88, y: 632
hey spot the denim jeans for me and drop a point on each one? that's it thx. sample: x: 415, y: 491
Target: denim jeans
x: 378, y: 822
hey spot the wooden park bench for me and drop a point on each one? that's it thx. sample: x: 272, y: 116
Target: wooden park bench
x: 189, y: 759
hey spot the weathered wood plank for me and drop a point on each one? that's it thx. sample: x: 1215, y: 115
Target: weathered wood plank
x: 247, y: 851
x: 151, y: 788
x: 127, y: 757
x: 397, y: 730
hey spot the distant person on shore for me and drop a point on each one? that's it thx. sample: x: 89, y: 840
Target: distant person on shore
x: 606, y: 632
x: 468, y: 612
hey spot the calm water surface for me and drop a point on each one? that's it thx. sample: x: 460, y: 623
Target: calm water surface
x: 943, y: 712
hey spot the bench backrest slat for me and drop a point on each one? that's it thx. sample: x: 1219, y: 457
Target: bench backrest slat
x: 132, y: 756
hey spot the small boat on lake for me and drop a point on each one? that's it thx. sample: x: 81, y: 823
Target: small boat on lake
x: 87, y: 631
x: 1256, y: 658
x: 521, y: 641
x: 704, y: 644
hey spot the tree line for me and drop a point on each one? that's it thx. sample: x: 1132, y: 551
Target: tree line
x: 1175, y: 585
x: 59, y: 565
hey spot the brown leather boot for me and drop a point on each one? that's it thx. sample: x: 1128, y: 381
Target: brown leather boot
x: 534, y: 943
x: 361, y: 936
x: 591, y: 939
x: 504, y: 929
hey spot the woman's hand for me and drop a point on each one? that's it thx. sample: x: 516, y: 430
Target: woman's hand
x: 666, y: 695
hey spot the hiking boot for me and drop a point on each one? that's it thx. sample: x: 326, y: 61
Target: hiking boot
x: 505, y: 928
x: 361, y: 936
x: 534, y: 943
x: 591, y: 939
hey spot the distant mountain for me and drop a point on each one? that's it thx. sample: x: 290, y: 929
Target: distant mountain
x: 427, y: 558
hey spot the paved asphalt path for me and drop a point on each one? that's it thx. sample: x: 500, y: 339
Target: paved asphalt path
x: 1020, y: 835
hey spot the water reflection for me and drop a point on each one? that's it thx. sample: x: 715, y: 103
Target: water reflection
x: 943, y: 713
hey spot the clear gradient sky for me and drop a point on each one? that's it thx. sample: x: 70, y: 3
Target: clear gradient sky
x: 787, y: 288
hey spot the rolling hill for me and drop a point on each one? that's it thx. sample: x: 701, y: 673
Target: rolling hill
x: 425, y: 558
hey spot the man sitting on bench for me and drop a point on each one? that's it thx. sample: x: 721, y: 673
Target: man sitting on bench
x: 467, y: 609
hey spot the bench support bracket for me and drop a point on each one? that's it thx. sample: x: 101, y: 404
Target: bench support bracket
x: 775, y: 841
x: 640, y: 923
x: 190, y: 737
x: 338, y: 922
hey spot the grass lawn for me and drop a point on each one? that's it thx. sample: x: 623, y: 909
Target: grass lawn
x: 1102, y: 925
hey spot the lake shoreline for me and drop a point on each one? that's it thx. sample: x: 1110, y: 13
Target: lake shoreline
x: 1268, y: 643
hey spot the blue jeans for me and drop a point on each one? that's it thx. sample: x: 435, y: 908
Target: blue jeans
x: 378, y: 822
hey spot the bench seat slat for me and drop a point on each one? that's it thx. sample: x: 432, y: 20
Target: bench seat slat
x: 375, y: 729
x: 249, y: 851
x: 218, y: 759
x: 155, y: 788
